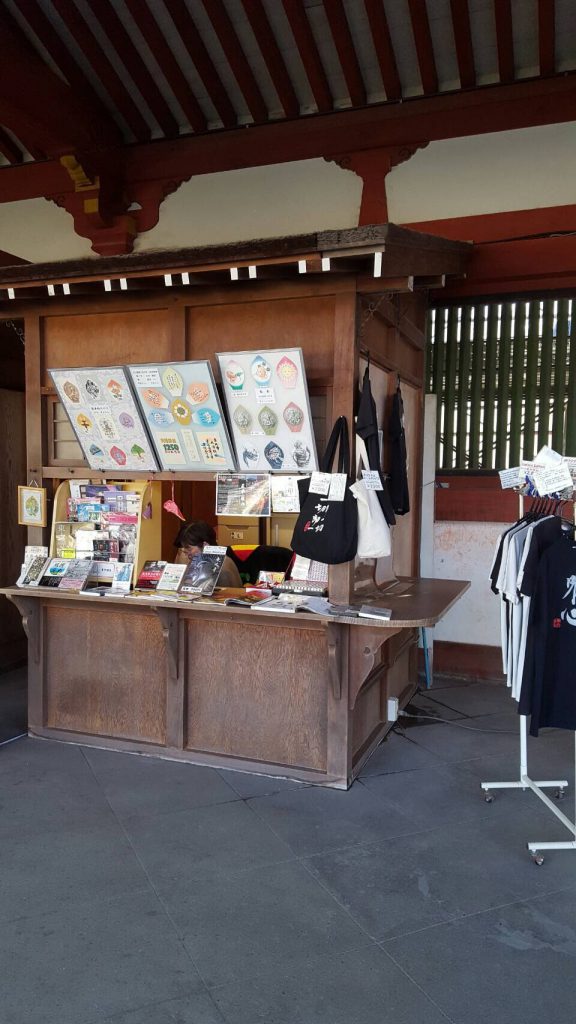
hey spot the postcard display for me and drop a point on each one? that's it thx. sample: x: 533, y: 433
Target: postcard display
x: 100, y: 406
x: 181, y: 408
x: 269, y: 411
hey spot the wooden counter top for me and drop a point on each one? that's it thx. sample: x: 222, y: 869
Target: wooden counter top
x: 414, y: 603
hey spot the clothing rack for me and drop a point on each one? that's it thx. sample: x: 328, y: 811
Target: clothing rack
x: 525, y: 782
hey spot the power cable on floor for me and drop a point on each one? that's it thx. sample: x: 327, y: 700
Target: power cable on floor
x: 13, y: 738
x: 448, y: 721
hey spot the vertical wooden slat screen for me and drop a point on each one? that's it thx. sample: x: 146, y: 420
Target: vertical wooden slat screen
x: 505, y: 377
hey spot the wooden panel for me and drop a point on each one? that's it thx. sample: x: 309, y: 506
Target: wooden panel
x: 12, y: 473
x: 105, y: 339
x: 476, y: 498
x: 258, y: 692
x: 105, y: 672
x: 405, y: 533
x: 306, y: 323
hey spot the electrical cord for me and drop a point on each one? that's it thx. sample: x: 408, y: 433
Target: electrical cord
x: 11, y: 740
x: 448, y: 721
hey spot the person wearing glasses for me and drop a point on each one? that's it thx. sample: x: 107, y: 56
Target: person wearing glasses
x: 190, y: 541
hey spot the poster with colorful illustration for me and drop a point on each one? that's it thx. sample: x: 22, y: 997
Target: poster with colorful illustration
x: 269, y: 411
x: 100, y: 406
x: 181, y: 408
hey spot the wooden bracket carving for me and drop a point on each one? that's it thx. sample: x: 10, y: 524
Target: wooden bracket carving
x: 30, y: 610
x: 372, y: 165
x: 170, y: 632
x: 364, y: 646
x: 334, y: 660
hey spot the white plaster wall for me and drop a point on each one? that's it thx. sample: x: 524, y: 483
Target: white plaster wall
x: 39, y: 231
x: 464, y: 551
x: 518, y: 170
x: 257, y: 202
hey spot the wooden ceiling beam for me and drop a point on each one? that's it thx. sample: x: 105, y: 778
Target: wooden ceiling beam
x: 309, y: 55
x: 45, y: 32
x: 113, y: 26
x: 423, y: 43
x: 202, y: 61
x: 45, y: 113
x: 154, y: 37
x: 463, y: 42
x: 239, y: 65
x: 94, y: 54
x: 504, y: 40
x: 342, y: 37
x: 546, y: 37
x: 384, y: 49
x: 490, y: 109
x: 9, y: 149
x: 272, y: 56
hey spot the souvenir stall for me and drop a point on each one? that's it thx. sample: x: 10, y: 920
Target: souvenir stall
x: 227, y: 363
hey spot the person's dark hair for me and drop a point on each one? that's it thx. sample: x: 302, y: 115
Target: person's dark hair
x: 195, y: 534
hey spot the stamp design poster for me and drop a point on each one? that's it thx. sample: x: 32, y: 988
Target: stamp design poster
x: 181, y: 407
x: 267, y: 399
x: 101, y: 408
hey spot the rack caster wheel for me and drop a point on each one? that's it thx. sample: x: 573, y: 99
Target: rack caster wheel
x: 488, y: 797
x: 560, y: 793
x: 538, y: 858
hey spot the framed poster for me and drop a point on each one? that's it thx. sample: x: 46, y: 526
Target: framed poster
x: 101, y: 408
x: 269, y: 411
x: 243, y: 494
x: 183, y: 414
x: 32, y: 506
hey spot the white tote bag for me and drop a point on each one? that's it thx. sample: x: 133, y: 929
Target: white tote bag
x: 374, y: 539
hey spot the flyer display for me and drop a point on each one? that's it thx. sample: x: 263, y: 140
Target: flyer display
x: 243, y: 494
x: 181, y: 408
x: 267, y: 399
x: 101, y: 408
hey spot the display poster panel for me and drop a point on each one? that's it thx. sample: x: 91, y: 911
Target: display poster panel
x: 104, y: 416
x: 266, y: 396
x: 182, y: 411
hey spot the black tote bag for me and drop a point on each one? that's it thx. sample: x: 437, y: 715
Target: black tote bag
x: 327, y: 531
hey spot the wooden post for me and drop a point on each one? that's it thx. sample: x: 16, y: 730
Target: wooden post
x: 34, y: 432
x: 345, y: 376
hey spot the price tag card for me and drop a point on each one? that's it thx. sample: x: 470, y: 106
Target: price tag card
x: 509, y: 477
x: 553, y: 478
x: 372, y: 481
x: 338, y: 484
x: 570, y: 461
x: 320, y: 483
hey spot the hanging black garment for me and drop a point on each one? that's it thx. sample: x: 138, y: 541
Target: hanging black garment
x: 398, y: 469
x: 367, y: 429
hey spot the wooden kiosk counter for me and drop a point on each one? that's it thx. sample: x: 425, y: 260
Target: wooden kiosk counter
x: 297, y: 695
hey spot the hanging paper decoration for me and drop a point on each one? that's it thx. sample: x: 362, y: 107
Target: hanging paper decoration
x: 172, y: 381
x: 171, y: 506
x: 287, y: 372
x: 234, y: 375
x: 126, y: 420
x: 205, y: 417
x: 71, y: 390
x: 293, y: 416
x: 118, y: 455
x: 261, y: 370
x: 181, y: 412
x: 115, y: 389
x: 197, y: 392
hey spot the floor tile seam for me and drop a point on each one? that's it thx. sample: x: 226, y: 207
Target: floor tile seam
x: 298, y: 785
x: 179, y: 937
x: 367, y: 844
x: 78, y: 904
x: 145, y: 1006
x: 417, y: 985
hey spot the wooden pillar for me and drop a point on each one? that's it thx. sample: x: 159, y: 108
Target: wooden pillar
x: 34, y: 431
x: 345, y: 377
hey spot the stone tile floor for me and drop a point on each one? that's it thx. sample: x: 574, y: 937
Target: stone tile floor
x: 141, y: 891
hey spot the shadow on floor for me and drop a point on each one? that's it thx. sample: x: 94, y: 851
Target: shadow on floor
x: 13, y: 703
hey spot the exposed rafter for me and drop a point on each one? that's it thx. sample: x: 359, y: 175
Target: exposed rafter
x: 344, y: 44
x: 236, y: 58
x: 384, y: 49
x: 504, y: 40
x: 423, y: 43
x: 9, y: 149
x: 272, y: 56
x: 309, y: 55
x: 463, y: 41
x: 202, y: 61
x: 94, y: 54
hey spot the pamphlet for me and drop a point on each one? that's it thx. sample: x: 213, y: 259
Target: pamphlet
x: 150, y: 575
x: 76, y: 577
x: 202, y: 572
x: 285, y: 495
x: 54, y: 572
x: 171, y: 577
x: 243, y: 494
x: 32, y: 572
x: 373, y: 611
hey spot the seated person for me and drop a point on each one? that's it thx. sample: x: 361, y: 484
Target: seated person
x: 190, y: 541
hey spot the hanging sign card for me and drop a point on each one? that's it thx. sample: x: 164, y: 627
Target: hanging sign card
x: 100, y: 406
x: 553, y: 479
x: 267, y: 399
x: 181, y: 408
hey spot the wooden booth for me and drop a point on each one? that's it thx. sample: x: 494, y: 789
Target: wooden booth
x: 303, y: 696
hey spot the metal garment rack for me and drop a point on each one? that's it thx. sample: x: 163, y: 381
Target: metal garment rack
x: 525, y: 782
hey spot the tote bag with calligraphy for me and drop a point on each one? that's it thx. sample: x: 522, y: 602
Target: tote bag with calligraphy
x: 327, y: 528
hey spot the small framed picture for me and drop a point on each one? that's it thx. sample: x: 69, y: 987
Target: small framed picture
x: 32, y: 506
